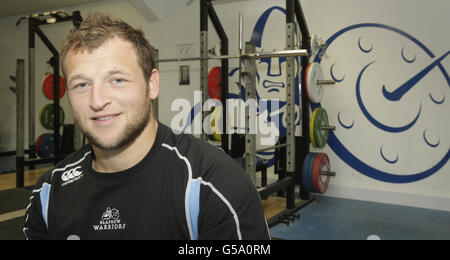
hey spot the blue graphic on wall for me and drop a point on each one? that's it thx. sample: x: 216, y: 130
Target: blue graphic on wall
x: 270, y: 78
x: 393, y: 93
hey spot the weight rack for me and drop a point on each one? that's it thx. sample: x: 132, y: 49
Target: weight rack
x: 34, y: 22
x: 296, y: 147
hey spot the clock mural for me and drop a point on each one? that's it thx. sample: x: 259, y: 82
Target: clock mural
x: 389, y: 103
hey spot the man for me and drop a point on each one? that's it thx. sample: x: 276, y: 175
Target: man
x: 136, y: 179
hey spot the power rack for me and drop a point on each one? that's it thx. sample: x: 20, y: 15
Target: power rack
x: 34, y: 23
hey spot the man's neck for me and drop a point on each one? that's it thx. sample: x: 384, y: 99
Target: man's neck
x: 109, y: 161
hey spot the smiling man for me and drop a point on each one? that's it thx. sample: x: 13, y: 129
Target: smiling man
x: 136, y: 179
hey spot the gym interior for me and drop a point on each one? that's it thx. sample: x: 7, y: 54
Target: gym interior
x: 347, y: 141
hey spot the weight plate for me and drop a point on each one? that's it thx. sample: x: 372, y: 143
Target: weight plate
x: 321, y: 163
x: 214, y: 83
x: 48, y: 86
x: 46, y: 116
x: 46, y: 145
x: 37, y: 143
x: 313, y: 172
x: 314, y: 91
x: 311, y: 128
x: 314, y: 46
x: 320, y: 119
x: 304, y: 171
x: 215, y: 117
x: 307, y: 171
x: 310, y: 171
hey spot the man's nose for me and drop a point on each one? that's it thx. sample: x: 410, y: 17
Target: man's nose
x: 274, y: 69
x: 99, y: 98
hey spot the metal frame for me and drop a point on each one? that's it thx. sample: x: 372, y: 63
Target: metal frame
x: 247, y: 74
x: 303, y: 143
x: 20, y: 124
x: 207, y: 11
x: 296, y: 147
x: 34, y: 21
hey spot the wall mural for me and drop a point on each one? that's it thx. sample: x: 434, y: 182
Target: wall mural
x: 389, y: 103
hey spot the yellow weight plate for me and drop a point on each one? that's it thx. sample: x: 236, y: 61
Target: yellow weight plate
x: 311, y: 127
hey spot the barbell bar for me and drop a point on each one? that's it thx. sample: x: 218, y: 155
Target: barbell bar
x: 326, y: 82
x: 258, y: 55
x: 328, y: 173
x: 328, y: 127
x: 272, y: 147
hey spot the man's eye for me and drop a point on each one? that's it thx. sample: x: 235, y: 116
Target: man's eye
x: 81, y: 85
x: 117, y: 81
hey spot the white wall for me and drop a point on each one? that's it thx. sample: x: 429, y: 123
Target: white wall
x: 357, y: 177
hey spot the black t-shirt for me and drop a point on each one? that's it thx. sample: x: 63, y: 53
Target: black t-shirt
x: 184, y: 188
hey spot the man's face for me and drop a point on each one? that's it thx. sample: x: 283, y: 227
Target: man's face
x: 108, y: 93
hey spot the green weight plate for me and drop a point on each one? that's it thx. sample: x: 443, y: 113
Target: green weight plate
x: 46, y: 116
x: 320, y: 120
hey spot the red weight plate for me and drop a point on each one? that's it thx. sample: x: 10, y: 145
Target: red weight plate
x: 214, y: 83
x: 315, y: 175
x: 37, y: 143
x: 306, y: 80
x: 48, y: 85
x: 321, y: 163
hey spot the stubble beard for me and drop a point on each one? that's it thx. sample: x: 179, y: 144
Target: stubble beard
x: 128, y: 135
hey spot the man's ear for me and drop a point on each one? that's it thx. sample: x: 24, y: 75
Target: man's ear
x: 153, y: 84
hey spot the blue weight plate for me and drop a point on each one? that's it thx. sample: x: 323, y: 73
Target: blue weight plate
x: 46, y: 145
x: 307, y: 170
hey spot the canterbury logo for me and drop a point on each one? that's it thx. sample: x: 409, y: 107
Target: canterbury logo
x: 71, y: 174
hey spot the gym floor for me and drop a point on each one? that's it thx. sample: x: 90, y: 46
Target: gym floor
x: 325, y: 219
x: 343, y: 219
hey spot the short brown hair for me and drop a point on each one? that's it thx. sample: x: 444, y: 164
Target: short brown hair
x: 97, y: 28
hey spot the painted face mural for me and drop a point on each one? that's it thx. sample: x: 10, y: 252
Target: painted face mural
x: 270, y: 90
x: 271, y: 77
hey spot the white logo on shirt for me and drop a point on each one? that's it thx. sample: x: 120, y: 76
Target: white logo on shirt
x: 110, y: 220
x: 71, y: 175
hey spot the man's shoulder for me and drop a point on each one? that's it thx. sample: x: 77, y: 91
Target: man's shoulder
x: 70, y: 162
x: 191, y: 146
x: 205, y: 159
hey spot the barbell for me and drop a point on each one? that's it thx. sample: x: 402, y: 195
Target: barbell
x: 257, y: 55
